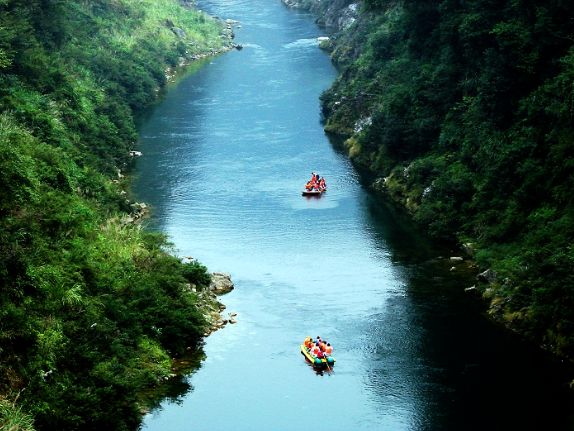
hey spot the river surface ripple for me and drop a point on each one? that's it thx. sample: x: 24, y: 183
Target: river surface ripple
x: 225, y: 157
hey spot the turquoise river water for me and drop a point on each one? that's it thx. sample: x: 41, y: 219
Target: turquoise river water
x: 225, y: 157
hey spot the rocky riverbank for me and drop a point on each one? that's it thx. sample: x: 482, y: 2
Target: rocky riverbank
x: 227, y: 35
x: 94, y: 307
x: 213, y: 309
x: 217, y: 317
x: 220, y: 282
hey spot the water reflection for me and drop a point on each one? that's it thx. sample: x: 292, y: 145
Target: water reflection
x: 440, y: 364
x: 170, y: 392
x: 173, y: 390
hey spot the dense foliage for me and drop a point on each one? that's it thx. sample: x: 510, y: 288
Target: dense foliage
x: 91, y: 308
x: 463, y: 108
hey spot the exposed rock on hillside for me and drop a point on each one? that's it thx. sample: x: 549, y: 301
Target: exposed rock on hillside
x: 335, y: 14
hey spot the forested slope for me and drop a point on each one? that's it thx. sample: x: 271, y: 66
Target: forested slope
x: 91, y: 307
x: 464, y: 110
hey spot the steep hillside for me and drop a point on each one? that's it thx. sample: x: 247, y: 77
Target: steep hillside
x: 91, y: 307
x: 463, y: 109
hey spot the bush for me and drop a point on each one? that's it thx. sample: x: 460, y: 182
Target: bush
x: 196, y: 273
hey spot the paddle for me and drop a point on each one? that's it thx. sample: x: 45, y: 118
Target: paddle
x: 326, y: 361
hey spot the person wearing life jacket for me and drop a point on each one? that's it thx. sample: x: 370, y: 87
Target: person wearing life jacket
x: 322, y: 183
x: 320, y: 354
x: 322, y: 346
x: 308, y: 342
x: 329, y: 349
x: 316, y: 349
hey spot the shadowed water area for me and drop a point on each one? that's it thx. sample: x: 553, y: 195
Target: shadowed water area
x: 225, y: 157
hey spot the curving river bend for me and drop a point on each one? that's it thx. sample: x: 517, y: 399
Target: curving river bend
x: 225, y: 157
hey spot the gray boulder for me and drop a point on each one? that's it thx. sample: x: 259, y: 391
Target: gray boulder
x: 220, y: 282
x: 469, y: 248
x: 179, y: 32
x: 489, y: 276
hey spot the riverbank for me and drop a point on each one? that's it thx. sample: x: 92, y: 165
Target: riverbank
x: 474, y: 160
x: 93, y: 307
x: 190, y: 359
x: 227, y: 35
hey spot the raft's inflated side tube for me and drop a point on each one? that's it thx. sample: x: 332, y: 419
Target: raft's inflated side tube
x: 330, y: 361
x: 318, y: 361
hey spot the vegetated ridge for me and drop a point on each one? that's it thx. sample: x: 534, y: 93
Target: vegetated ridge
x: 92, y: 308
x: 463, y: 109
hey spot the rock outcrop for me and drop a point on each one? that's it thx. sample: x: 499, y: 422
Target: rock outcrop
x: 220, y: 283
x: 489, y: 276
x: 179, y: 32
x: 335, y: 14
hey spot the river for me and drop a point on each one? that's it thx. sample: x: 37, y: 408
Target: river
x: 225, y: 157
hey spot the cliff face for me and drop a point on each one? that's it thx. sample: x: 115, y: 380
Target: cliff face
x: 336, y: 15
